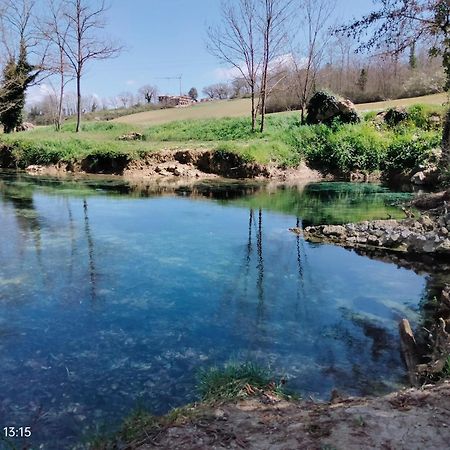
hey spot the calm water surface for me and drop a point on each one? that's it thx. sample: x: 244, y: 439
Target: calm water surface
x: 112, y: 295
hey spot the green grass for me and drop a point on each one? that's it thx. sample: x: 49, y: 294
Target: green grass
x: 339, y: 149
x: 216, y: 109
x: 235, y: 381
x: 232, y: 382
x: 241, y: 107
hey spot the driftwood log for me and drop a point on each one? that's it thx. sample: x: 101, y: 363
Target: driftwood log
x: 409, y: 350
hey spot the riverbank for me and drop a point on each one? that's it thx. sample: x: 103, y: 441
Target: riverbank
x: 410, y: 418
x: 227, y: 147
x: 423, y: 233
x: 179, y: 164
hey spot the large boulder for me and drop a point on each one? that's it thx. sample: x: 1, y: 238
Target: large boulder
x: 325, y: 108
x: 25, y: 126
x: 133, y: 136
x: 394, y: 116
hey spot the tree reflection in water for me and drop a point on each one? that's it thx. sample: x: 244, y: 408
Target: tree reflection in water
x: 91, y: 252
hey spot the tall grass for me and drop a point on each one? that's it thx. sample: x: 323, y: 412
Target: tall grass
x: 234, y: 381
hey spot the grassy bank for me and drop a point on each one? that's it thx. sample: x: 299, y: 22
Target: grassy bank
x: 215, y: 386
x: 369, y: 146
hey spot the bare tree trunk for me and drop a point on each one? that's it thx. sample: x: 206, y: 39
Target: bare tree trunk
x: 78, y: 102
x: 60, y: 103
x: 263, y: 95
x: 302, y: 114
x: 253, y: 109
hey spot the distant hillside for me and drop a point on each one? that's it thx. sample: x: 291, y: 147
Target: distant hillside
x: 241, y: 107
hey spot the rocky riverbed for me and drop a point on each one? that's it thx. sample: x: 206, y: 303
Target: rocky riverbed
x: 425, y: 235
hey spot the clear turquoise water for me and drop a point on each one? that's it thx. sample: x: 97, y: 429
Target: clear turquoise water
x: 111, y: 297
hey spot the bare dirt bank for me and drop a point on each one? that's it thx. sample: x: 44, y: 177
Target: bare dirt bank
x: 194, y: 164
x: 409, y: 419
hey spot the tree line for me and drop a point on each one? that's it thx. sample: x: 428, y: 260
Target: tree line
x: 281, y: 51
x: 52, y: 38
x: 284, y: 50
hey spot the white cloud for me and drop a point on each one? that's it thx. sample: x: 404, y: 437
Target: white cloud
x: 226, y: 74
x: 285, y: 61
x: 37, y: 93
x: 130, y: 82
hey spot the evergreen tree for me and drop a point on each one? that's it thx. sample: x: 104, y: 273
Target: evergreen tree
x: 362, y: 80
x: 193, y: 93
x: 17, y: 76
x: 10, y: 100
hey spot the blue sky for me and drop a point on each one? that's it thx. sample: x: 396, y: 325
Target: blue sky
x: 165, y: 38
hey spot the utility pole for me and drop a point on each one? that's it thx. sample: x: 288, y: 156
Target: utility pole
x: 179, y: 78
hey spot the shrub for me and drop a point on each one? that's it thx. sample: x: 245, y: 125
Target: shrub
x: 346, y: 149
x: 369, y: 116
x: 426, y: 117
x: 409, y: 150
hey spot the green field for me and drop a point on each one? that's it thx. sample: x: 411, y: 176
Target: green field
x: 241, y: 107
x: 338, y: 149
x: 207, y: 110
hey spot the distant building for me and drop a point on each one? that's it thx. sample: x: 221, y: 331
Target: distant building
x: 175, y: 100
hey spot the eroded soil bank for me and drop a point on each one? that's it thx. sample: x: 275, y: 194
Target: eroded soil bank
x: 412, y: 419
x: 168, y: 164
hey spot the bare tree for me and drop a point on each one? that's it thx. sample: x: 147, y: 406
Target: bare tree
x: 252, y: 36
x: 239, y: 87
x: 84, y: 44
x: 148, y: 93
x: 56, y: 30
x: 316, y: 36
x: 126, y: 99
x: 238, y: 43
x: 272, y: 22
x: 219, y: 91
x: 70, y: 103
x: 397, y: 24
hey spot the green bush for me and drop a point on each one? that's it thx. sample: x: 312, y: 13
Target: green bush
x: 422, y: 116
x: 345, y: 149
x: 418, y: 116
x: 369, y: 116
x: 408, y: 150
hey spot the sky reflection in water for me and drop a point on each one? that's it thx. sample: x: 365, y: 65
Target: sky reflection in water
x: 110, y: 299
